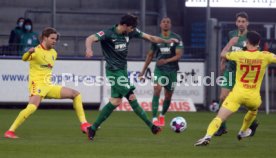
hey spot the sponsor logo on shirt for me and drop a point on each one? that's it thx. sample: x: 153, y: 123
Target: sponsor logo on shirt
x: 235, y: 48
x: 120, y: 46
x: 165, y: 50
x: 49, y: 66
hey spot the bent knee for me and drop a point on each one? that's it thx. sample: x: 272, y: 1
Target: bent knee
x: 131, y: 97
x: 75, y: 93
x: 157, y: 90
x: 223, y: 96
x: 115, y: 101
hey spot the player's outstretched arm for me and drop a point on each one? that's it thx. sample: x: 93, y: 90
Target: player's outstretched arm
x: 27, y: 55
x: 155, y: 39
x: 88, y: 45
x: 147, y: 62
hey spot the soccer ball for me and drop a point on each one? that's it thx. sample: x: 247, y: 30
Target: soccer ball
x: 178, y: 124
x: 214, y: 106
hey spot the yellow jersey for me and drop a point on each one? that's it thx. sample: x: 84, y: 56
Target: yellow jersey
x: 41, y: 64
x: 250, y: 69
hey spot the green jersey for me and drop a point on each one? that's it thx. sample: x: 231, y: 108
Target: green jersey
x: 115, y: 47
x: 165, y: 51
x: 231, y: 65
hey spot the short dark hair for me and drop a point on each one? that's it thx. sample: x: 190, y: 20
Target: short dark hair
x: 129, y: 20
x: 242, y: 14
x: 48, y: 31
x: 253, y: 37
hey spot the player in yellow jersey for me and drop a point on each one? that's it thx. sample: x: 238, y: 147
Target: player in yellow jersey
x: 42, y: 60
x: 251, y: 65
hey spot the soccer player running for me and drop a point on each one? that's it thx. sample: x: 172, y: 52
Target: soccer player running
x: 166, y: 66
x: 42, y: 59
x: 114, y: 43
x: 229, y: 68
x: 251, y: 66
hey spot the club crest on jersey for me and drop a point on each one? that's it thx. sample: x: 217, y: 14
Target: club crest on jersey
x: 53, y: 58
x: 101, y: 33
x: 127, y: 38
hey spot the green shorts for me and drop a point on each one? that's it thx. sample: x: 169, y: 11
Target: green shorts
x: 120, y: 85
x: 230, y: 81
x: 165, y: 79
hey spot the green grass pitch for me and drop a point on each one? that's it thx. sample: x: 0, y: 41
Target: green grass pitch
x: 56, y: 134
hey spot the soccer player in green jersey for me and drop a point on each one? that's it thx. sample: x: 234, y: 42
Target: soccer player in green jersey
x: 229, y: 68
x: 114, y: 43
x: 167, y: 66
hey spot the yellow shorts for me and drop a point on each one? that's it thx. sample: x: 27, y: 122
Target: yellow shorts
x: 235, y: 99
x: 45, y: 91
